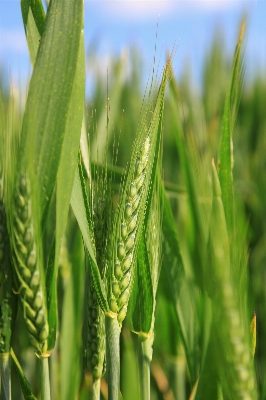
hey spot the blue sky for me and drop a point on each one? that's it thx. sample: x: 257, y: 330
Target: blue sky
x: 118, y: 24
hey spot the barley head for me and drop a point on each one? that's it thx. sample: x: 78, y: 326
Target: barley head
x: 28, y: 274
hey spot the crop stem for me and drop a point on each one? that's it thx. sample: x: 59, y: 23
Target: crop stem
x: 5, y: 375
x: 113, y: 330
x: 96, y: 390
x: 144, y: 359
x: 45, y: 379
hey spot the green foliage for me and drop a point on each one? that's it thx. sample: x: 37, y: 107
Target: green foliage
x: 192, y: 245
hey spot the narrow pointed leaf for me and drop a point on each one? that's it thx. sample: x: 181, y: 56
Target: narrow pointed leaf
x: 226, y: 143
x: 79, y: 208
x: 33, y: 16
x: 25, y: 386
x: 174, y: 268
x: 49, y: 98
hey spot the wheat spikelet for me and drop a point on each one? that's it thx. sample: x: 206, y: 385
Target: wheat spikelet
x: 27, y: 270
x: 7, y: 302
x: 129, y: 223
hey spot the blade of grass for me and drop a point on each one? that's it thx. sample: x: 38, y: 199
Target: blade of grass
x: 81, y: 210
x: 226, y: 143
x: 71, y: 323
x: 25, y: 386
x: 174, y: 269
x: 5, y: 376
x: 33, y: 16
x: 46, y: 116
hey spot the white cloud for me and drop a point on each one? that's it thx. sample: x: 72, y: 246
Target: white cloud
x: 12, y: 41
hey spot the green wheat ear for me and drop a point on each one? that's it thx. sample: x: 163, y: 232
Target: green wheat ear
x: 131, y: 212
x: 25, y: 243
x: 7, y: 300
x: 28, y: 274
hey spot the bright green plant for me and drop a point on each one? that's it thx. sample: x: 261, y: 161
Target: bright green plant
x: 164, y: 260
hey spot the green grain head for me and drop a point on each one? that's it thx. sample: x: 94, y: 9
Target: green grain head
x: 136, y: 192
x: 100, y: 200
x: 27, y: 259
x: 25, y: 243
x: 7, y: 298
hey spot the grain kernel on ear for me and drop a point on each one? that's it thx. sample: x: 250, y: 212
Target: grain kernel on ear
x: 23, y: 186
x: 29, y: 311
x: 33, y: 341
x: 26, y: 273
x: 28, y: 236
x: 125, y: 282
x: 35, y: 280
x: 31, y: 328
x: 38, y: 301
x: 20, y: 201
x: 113, y: 305
x: 40, y: 319
x: 124, y: 230
x: 135, y: 204
x: 127, y: 262
x: 122, y: 314
x: 140, y: 182
x: 128, y: 210
x: 115, y: 289
x: 132, y: 223
x: 130, y: 242
x: 118, y: 271
x: 132, y: 190
x: 24, y: 214
x: 123, y: 298
x: 43, y: 335
x: 121, y: 251
x: 32, y: 259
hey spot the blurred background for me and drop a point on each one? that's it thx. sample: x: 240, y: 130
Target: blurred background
x: 112, y: 27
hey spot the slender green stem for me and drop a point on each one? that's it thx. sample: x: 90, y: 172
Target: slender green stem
x: 45, y: 380
x: 144, y: 358
x: 5, y: 374
x: 95, y: 393
x: 113, y: 330
x: 177, y: 377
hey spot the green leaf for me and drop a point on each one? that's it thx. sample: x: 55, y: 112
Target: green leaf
x: 33, y: 16
x: 179, y: 288
x: 200, y: 227
x: 25, y: 386
x: 67, y: 167
x: 80, y: 208
x: 208, y: 380
x: 226, y: 142
x: 141, y: 300
x: 49, y: 99
x: 68, y: 144
x: 70, y: 338
x: 5, y: 376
